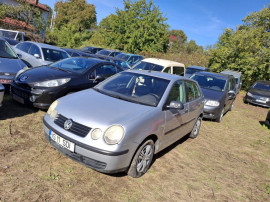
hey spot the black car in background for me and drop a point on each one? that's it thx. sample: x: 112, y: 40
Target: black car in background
x: 91, y: 50
x: 118, y: 61
x: 193, y: 69
x: 259, y: 94
x: 40, y: 86
x: 111, y: 53
x: 77, y: 53
x: 219, y: 92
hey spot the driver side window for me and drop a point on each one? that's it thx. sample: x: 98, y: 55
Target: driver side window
x: 177, y: 93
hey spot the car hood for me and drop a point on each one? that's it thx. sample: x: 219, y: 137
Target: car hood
x: 94, y: 109
x: 43, y: 73
x: 11, y: 65
x: 258, y: 92
x: 212, y: 94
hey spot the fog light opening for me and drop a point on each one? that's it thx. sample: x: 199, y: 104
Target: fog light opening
x: 32, y: 98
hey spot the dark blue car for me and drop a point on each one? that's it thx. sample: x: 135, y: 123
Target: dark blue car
x: 219, y: 92
x: 193, y: 69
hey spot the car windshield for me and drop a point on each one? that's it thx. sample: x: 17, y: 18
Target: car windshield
x: 134, y: 87
x: 123, y: 56
x: 6, y: 51
x: 53, y: 55
x: 8, y: 34
x: 122, y: 64
x: 148, y: 66
x: 262, y: 86
x: 77, y: 65
x: 210, y: 82
x: 192, y: 70
x: 104, y: 52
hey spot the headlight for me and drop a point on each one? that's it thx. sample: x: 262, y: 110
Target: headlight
x: 96, y: 134
x: 114, y: 134
x: 52, y: 107
x: 52, y: 83
x: 21, y: 71
x: 249, y: 94
x: 212, y: 103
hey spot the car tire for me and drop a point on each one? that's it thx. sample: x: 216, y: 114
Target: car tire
x: 142, y: 159
x: 220, y: 116
x: 196, y: 128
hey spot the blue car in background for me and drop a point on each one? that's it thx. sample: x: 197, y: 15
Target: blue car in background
x: 193, y: 69
x: 131, y: 59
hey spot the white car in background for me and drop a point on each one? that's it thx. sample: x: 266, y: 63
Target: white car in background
x: 161, y: 65
x: 36, y: 54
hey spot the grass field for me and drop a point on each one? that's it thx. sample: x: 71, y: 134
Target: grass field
x: 229, y: 161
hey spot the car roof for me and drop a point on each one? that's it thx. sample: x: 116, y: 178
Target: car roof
x: 43, y: 45
x: 163, y: 62
x: 217, y: 75
x: 162, y: 75
x: 263, y: 82
x: 198, y: 67
x: 231, y: 72
x: 130, y: 54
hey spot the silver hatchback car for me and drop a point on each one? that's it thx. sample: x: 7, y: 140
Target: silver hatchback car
x: 122, y: 122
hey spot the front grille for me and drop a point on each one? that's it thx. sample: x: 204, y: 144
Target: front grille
x: 23, y: 85
x: 20, y: 93
x: 76, y: 128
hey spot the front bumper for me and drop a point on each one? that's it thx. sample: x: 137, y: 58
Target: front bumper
x: 210, y: 112
x: 40, y: 98
x: 95, y: 158
x: 256, y: 101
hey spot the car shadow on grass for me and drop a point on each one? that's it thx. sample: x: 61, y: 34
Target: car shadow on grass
x: 158, y: 155
x: 12, y: 109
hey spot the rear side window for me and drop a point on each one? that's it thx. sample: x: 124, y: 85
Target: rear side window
x: 231, y: 84
x: 24, y: 46
x: 167, y: 70
x: 179, y: 71
x: 193, y: 91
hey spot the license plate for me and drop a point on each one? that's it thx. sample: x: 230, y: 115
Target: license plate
x: 261, y: 101
x: 18, y: 99
x: 62, y: 142
x: 5, y: 81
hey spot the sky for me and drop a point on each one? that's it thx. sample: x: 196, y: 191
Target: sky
x: 201, y: 20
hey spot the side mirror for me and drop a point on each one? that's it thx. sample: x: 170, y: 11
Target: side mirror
x: 99, y: 78
x: 176, y: 105
x: 37, y: 56
x: 232, y: 94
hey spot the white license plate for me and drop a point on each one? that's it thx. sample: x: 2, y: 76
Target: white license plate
x: 261, y: 101
x: 18, y: 99
x: 61, y: 141
x: 5, y: 81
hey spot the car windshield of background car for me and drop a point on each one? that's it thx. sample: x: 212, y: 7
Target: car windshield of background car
x: 192, y: 70
x: 53, y: 55
x: 76, y: 65
x: 133, y: 87
x: 123, y: 56
x: 148, y: 66
x: 262, y: 86
x: 6, y: 51
x: 209, y: 82
x: 103, y: 52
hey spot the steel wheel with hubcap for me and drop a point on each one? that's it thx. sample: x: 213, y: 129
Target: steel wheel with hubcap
x: 195, y: 131
x: 142, y: 159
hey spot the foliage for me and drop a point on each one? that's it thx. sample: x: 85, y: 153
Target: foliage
x: 140, y: 26
x: 24, y: 12
x: 247, y: 49
x: 73, y: 20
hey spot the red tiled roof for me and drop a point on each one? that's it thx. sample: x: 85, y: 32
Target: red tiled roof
x: 39, y: 5
x: 173, y: 38
x: 17, y: 23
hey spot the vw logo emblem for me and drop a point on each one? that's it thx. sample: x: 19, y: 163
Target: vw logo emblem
x: 23, y: 78
x: 68, y: 124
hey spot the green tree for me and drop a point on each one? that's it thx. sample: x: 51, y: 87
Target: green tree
x: 72, y: 22
x: 140, y: 26
x: 247, y: 49
x: 177, y: 44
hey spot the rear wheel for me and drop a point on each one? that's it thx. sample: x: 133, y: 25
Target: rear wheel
x: 142, y: 159
x: 220, y: 116
x: 195, y: 131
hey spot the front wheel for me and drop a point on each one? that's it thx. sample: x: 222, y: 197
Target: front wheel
x: 195, y: 131
x: 142, y: 159
x: 220, y: 116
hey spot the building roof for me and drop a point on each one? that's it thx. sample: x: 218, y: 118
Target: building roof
x: 39, y: 5
x: 16, y: 23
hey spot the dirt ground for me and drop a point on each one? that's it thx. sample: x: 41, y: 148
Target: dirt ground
x: 228, y: 161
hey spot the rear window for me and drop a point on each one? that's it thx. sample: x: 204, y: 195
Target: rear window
x: 53, y: 55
